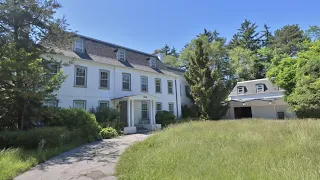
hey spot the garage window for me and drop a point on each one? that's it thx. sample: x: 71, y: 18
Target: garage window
x: 241, y: 90
x: 259, y: 88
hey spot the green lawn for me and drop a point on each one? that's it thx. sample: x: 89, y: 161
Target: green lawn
x: 15, y: 161
x: 242, y: 149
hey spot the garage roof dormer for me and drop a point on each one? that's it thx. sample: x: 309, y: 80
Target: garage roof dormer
x: 121, y: 55
x: 153, y: 62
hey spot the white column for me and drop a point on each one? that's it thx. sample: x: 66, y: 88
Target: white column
x: 150, y: 111
x: 128, y: 113
x: 132, y: 113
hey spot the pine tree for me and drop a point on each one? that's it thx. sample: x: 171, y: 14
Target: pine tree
x: 206, y: 83
x: 266, y: 36
x: 25, y: 27
x: 248, y: 36
x: 165, y: 49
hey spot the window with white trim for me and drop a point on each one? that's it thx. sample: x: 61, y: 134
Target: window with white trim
x: 170, y: 87
x: 104, y: 79
x: 159, y: 106
x: 153, y: 62
x: 144, y: 110
x: 241, y: 90
x: 103, y: 104
x: 80, y: 104
x: 78, y: 45
x: 51, y: 69
x: 260, y: 88
x: 126, y: 81
x: 50, y: 103
x: 80, y: 76
x: 158, y: 85
x: 144, y: 83
x: 121, y: 55
x: 171, y: 107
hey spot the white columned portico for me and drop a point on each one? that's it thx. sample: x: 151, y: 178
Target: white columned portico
x: 132, y: 113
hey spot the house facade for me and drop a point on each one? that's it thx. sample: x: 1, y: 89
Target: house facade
x: 258, y: 99
x: 135, y: 83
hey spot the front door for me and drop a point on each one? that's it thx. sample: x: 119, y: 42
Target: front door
x: 124, y: 112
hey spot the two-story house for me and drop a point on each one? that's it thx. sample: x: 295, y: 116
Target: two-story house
x: 102, y: 74
x: 258, y: 99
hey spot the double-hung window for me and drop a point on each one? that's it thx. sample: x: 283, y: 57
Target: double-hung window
x: 170, y: 87
x: 104, y: 79
x: 159, y: 106
x: 158, y: 85
x: 126, y: 82
x: 78, y: 46
x: 81, y: 104
x: 171, y: 107
x: 144, y: 83
x: 103, y: 104
x: 80, y: 76
x: 241, y: 90
x: 144, y: 110
x: 121, y: 55
x: 50, y: 103
x: 259, y: 88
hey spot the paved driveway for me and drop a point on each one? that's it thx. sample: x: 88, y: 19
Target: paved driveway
x: 89, y: 162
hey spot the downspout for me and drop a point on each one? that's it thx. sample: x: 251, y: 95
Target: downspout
x: 175, y: 82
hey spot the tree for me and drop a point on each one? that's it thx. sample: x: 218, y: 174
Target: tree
x: 26, y: 78
x: 266, y: 35
x: 288, y: 39
x: 165, y: 50
x: 247, y: 37
x: 300, y: 77
x: 207, y: 77
x: 171, y: 60
x: 313, y: 33
x: 245, y: 64
x: 173, y: 52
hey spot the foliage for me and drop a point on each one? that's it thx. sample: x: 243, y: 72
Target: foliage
x: 287, y: 39
x: 30, y: 139
x: 108, y: 117
x: 313, y: 33
x: 208, y: 76
x: 227, y: 150
x: 189, y: 112
x: 171, y: 60
x: 165, y: 118
x: 25, y: 81
x: 300, y: 77
x: 14, y: 161
x: 108, y: 133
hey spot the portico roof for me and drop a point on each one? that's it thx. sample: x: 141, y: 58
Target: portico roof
x: 270, y: 99
x: 136, y: 97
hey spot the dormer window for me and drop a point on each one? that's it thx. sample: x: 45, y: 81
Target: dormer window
x: 260, y: 88
x: 241, y: 90
x: 78, y: 46
x: 153, y: 62
x: 121, y: 55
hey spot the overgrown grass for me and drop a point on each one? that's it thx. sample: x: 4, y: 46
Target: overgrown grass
x: 241, y: 149
x: 15, y: 160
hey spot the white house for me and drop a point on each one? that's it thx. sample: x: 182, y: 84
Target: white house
x: 258, y: 99
x: 138, y: 84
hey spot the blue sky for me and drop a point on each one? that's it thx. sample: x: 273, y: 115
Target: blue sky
x: 146, y: 25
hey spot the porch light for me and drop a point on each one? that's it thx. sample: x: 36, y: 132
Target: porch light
x: 243, y: 103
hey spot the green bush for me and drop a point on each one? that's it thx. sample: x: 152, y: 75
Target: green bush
x: 108, y: 117
x: 189, y: 112
x: 107, y: 133
x: 30, y: 139
x: 73, y: 119
x: 165, y: 118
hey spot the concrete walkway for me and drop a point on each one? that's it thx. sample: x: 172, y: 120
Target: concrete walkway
x: 89, y: 162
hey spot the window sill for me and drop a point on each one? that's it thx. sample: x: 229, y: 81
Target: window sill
x: 170, y: 93
x: 144, y: 91
x: 80, y: 86
x: 158, y: 92
x: 126, y: 89
x: 104, y: 88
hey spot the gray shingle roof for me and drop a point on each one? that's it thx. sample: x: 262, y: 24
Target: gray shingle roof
x: 104, y: 52
x: 250, y: 87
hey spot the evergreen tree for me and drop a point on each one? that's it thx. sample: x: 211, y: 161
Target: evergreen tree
x: 173, y: 52
x: 25, y: 27
x: 313, y: 32
x: 287, y: 40
x: 165, y: 50
x: 207, y: 84
x: 266, y: 36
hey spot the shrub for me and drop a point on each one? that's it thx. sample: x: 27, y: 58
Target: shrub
x: 165, y: 118
x: 108, y: 117
x: 30, y: 139
x: 189, y: 112
x: 107, y: 133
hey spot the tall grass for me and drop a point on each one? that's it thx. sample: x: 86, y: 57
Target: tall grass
x: 14, y: 161
x: 242, y: 149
